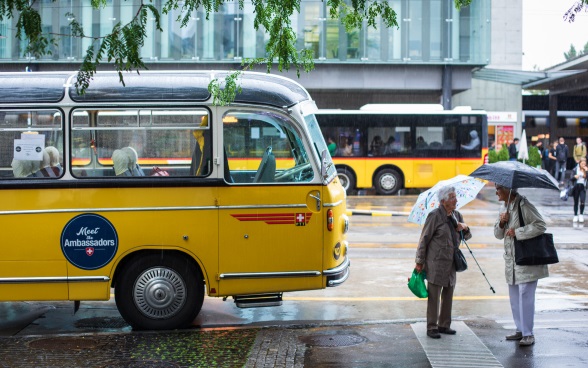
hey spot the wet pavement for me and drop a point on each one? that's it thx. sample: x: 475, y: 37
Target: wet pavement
x: 343, y: 327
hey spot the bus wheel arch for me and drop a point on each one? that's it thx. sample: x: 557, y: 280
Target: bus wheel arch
x: 388, y: 180
x: 159, y: 290
x: 346, y: 178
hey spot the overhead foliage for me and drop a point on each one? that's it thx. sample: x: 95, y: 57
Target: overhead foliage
x: 122, y: 46
x: 579, y: 6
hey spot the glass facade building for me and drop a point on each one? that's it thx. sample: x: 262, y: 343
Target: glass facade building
x: 429, y: 32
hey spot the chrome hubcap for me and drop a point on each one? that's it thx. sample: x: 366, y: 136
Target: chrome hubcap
x: 159, y: 293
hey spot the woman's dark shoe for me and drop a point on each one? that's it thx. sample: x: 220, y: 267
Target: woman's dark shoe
x: 434, y: 334
x: 447, y: 331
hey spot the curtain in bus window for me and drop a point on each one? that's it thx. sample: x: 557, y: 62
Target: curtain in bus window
x: 141, y: 142
x: 263, y: 147
x: 31, y: 144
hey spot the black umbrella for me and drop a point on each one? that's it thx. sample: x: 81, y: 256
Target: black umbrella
x: 513, y: 174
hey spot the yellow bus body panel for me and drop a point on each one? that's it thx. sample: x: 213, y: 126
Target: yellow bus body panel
x: 144, y: 218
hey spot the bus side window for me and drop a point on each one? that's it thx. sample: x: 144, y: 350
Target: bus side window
x: 20, y: 128
x: 155, y: 142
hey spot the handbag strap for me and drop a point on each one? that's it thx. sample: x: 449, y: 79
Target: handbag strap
x: 521, y: 221
x: 453, y: 231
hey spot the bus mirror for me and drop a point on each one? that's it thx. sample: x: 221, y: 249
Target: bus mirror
x: 324, y: 164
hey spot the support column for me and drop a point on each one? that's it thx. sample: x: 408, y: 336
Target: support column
x: 552, y: 117
x: 446, y: 87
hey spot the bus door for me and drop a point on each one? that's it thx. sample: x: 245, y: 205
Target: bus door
x: 270, y: 221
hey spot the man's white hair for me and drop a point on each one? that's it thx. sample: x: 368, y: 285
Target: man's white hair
x: 443, y: 193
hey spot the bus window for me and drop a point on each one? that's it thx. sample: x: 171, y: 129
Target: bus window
x: 32, y: 144
x: 140, y: 142
x: 263, y: 147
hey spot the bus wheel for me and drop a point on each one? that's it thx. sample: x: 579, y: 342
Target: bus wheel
x: 156, y: 292
x: 346, y: 178
x: 388, y: 181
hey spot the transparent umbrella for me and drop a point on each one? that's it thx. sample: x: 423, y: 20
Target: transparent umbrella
x: 466, y: 190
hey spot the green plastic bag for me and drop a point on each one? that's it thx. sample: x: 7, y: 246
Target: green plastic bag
x: 416, y: 284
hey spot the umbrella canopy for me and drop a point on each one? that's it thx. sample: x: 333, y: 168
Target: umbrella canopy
x: 514, y: 174
x: 466, y: 189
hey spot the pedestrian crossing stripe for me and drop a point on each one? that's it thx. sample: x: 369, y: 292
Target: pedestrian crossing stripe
x: 464, y: 349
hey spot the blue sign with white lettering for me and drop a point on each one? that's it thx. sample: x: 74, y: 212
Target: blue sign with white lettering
x: 89, y: 241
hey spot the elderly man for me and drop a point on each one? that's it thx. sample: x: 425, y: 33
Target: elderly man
x: 439, y: 238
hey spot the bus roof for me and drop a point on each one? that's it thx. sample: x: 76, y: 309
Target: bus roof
x: 413, y: 111
x: 165, y: 86
x: 416, y: 108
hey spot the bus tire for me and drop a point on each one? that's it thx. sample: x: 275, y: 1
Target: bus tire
x: 388, y: 182
x: 159, y: 292
x: 346, y: 178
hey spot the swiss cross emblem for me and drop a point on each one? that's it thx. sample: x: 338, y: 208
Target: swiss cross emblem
x: 300, y: 219
x: 89, y: 251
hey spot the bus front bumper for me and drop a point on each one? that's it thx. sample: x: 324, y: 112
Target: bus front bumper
x: 336, y: 276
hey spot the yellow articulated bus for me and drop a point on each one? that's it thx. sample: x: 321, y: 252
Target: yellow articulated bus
x: 152, y: 190
x: 389, y: 147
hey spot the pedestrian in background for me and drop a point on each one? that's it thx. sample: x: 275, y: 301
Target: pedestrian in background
x: 579, y: 190
x: 539, y: 148
x: 521, y: 280
x: 331, y: 146
x: 513, y: 150
x: 561, y: 155
x: 552, y: 158
x: 579, y: 150
x: 439, y: 238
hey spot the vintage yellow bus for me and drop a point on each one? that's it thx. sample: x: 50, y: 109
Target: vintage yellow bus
x: 154, y: 191
x: 389, y: 147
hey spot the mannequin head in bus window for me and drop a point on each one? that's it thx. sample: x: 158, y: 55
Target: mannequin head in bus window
x: 24, y: 168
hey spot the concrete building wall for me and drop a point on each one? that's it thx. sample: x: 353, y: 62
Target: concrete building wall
x: 506, y: 53
x: 506, y: 35
x: 491, y: 96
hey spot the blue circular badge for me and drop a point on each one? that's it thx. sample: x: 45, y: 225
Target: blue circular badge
x: 89, y: 241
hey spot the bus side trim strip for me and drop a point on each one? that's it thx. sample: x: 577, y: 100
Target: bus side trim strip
x: 338, y: 203
x: 260, y: 275
x: 130, y: 209
x: 30, y: 280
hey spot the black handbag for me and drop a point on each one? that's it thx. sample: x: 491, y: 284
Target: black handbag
x: 539, y: 250
x: 459, y: 260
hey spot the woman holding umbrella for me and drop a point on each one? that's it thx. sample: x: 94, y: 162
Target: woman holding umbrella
x: 439, y: 238
x: 521, y: 280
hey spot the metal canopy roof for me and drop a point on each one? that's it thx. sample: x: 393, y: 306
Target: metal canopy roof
x: 526, y: 79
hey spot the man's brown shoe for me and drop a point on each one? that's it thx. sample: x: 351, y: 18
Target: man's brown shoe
x: 447, y: 331
x: 434, y: 334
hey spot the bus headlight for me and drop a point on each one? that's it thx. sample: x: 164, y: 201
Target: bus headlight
x: 337, y: 251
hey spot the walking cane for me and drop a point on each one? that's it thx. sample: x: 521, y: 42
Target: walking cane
x: 466, y: 244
